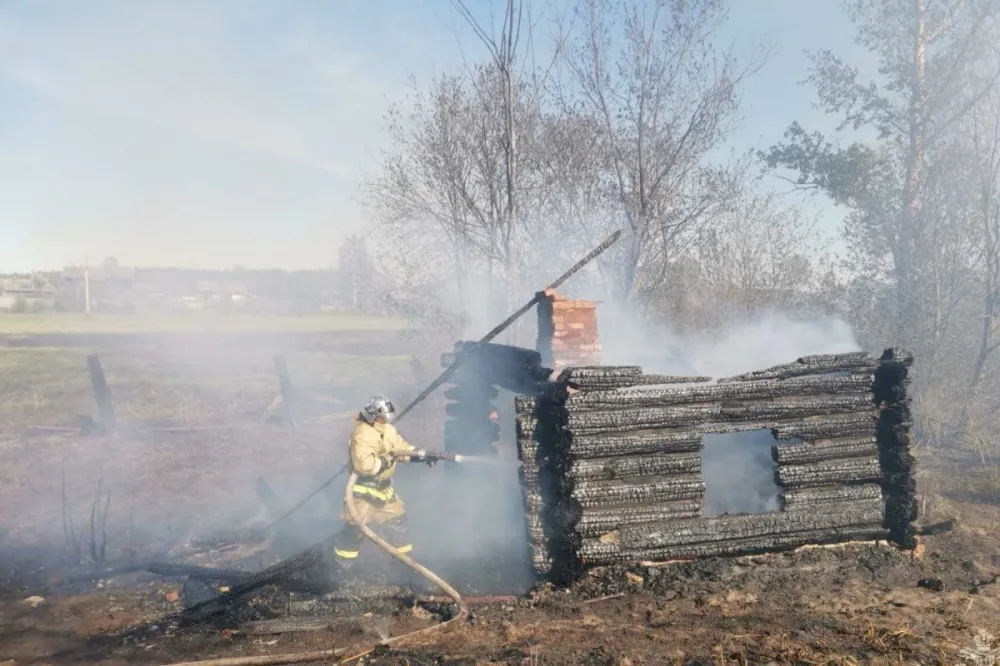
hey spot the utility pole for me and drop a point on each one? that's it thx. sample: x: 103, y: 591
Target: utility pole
x: 86, y: 284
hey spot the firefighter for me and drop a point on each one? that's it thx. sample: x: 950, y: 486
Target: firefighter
x: 373, y: 443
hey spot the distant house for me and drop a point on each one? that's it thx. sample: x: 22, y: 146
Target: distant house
x: 27, y: 294
x: 217, y: 294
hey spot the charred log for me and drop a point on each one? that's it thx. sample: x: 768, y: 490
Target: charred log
x: 796, y: 407
x: 799, y: 453
x: 812, y: 365
x: 281, y: 571
x: 637, y: 491
x: 848, y: 470
x: 528, y: 450
x: 600, y: 372
x: 594, y: 552
x: 856, y: 424
x: 630, y: 381
x: 683, y: 532
x: 170, y: 570
x: 641, y: 418
x: 892, y: 378
x: 595, y: 522
x: 895, y: 457
x: 762, y: 390
x: 810, y: 498
x: 633, y: 466
x: 632, y: 443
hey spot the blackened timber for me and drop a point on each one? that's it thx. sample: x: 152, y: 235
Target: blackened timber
x: 598, y: 521
x: 638, y: 491
x: 848, y: 470
x: 630, y: 381
x: 280, y: 571
x: 528, y: 449
x: 634, y: 466
x: 894, y: 443
x: 763, y: 390
x: 683, y: 532
x: 798, y: 453
x: 594, y: 552
x: 811, y: 365
x: 532, y: 500
x: 892, y: 381
x: 601, y: 371
x: 646, y: 417
x: 796, y: 407
x: 632, y: 443
x: 524, y: 426
x: 857, y: 424
x: 809, y: 498
x: 897, y: 354
x: 524, y: 404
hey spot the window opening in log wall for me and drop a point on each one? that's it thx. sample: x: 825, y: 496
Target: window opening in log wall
x: 739, y: 473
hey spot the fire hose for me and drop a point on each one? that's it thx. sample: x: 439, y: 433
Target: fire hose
x: 463, y: 611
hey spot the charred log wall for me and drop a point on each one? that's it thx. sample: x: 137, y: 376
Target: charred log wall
x: 611, y: 466
x: 473, y: 429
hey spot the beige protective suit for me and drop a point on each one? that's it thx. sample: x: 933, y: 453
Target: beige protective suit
x: 374, y: 497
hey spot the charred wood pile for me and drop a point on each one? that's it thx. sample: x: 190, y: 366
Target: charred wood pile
x: 611, y: 460
x: 473, y: 429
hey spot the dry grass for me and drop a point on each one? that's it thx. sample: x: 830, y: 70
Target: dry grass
x: 50, y: 386
x: 74, y: 324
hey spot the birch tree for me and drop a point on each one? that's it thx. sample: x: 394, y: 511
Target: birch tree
x: 924, y: 50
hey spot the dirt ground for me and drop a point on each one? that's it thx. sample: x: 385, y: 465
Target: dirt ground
x: 849, y: 604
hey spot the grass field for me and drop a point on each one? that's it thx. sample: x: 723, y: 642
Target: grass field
x: 190, y: 367
x: 76, y: 324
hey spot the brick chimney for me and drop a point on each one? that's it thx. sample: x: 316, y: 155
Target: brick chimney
x: 567, y: 331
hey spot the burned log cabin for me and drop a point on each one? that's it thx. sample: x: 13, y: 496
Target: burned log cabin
x: 611, y: 467
x: 611, y: 459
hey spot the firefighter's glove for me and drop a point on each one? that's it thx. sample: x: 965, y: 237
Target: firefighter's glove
x: 384, y: 463
x: 420, y: 455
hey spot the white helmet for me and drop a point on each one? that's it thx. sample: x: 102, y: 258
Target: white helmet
x: 379, y: 405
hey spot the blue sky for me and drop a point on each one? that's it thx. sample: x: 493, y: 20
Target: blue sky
x: 211, y: 133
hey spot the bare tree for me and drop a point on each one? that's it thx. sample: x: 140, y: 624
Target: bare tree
x: 663, y: 103
x: 761, y: 256
x: 503, y: 50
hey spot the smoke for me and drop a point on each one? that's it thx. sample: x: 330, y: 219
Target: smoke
x: 737, y: 468
x: 762, y: 340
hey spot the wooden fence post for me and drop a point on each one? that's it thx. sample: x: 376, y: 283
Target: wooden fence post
x: 287, y: 390
x: 106, y: 408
